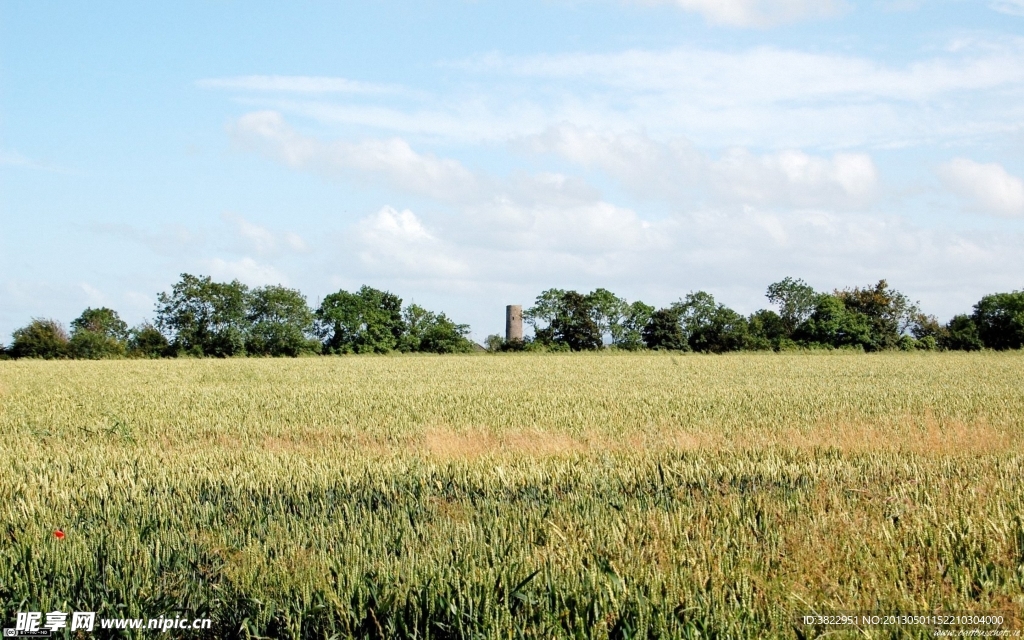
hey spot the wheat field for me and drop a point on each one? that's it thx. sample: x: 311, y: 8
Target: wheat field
x: 517, y: 495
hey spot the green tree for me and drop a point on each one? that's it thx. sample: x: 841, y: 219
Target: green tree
x: 429, y: 332
x: 961, y: 334
x: 542, y: 314
x: 280, y: 323
x: 102, y: 320
x: 368, y: 321
x: 711, y: 327
x: 628, y: 332
x: 146, y: 341
x: 41, y: 338
x: 664, y: 331
x: 608, y: 311
x: 204, y: 318
x: 928, y: 333
x: 575, y: 325
x: 999, y: 318
x: 98, y: 334
x: 796, y: 301
x: 832, y: 324
x: 889, y: 313
x: 767, y: 330
x: 582, y: 321
x: 494, y: 343
x: 445, y: 336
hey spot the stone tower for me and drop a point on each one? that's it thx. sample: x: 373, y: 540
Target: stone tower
x: 513, y: 322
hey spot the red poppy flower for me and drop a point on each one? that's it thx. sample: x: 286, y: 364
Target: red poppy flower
x: 58, y: 534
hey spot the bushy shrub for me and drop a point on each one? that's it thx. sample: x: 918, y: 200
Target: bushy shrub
x: 98, y: 334
x: 1000, y: 320
x: 146, y: 341
x: 961, y: 334
x: 41, y: 338
x: 204, y: 318
x: 280, y: 323
x: 665, y: 332
x: 368, y: 321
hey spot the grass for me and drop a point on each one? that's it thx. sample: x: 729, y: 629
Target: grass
x: 577, y: 496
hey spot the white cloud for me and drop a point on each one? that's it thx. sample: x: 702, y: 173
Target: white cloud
x: 987, y: 186
x: 765, y: 97
x: 295, y: 242
x: 1011, y: 7
x: 169, y: 240
x: 795, y: 178
x: 94, y: 296
x: 756, y: 13
x: 295, y: 84
x: 677, y: 171
x: 392, y: 160
x: 262, y: 240
x: 397, y: 241
x: 245, y: 270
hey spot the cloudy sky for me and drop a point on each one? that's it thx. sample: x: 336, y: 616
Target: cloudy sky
x: 469, y: 154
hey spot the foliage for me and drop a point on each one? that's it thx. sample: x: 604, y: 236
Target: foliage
x: 93, y: 345
x: 832, y: 324
x: 961, y: 334
x: 576, y: 323
x: 767, y: 330
x: 98, y: 334
x: 41, y: 338
x: 796, y: 299
x: 103, y: 321
x: 582, y: 322
x: 711, y: 327
x: 625, y: 495
x: 429, y: 332
x: 368, y: 321
x: 280, y: 323
x: 199, y: 317
x: 889, y: 313
x: 204, y: 318
x: 573, y: 319
x: 628, y: 332
x: 664, y: 331
x: 146, y: 341
x: 1000, y: 320
x: 494, y: 343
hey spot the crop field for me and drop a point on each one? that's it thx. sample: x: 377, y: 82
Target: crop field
x: 518, y: 495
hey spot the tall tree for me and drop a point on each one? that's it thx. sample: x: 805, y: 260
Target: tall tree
x: 98, y: 333
x: 832, y: 324
x: 961, y: 334
x: 572, y: 319
x: 204, y: 318
x: 608, y: 311
x: 1000, y: 320
x: 889, y: 313
x: 542, y: 314
x: 146, y: 341
x: 664, y: 331
x: 796, y: 301
x: 628, y: 332
x: 429, y: 332
x: 768, y: 331
x: 280, y: 323
x: 368, y: 321
x: 711, y: 327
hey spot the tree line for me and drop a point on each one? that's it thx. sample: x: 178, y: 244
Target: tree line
x: 202, y: 318
x: 871, y: 318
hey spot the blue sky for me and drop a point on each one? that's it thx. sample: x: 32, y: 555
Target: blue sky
x: 467, y: 155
